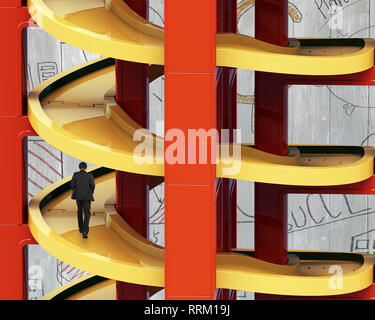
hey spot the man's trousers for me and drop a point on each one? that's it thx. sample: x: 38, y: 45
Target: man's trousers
x: 83, y: 207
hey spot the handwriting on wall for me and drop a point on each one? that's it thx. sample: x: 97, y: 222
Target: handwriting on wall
x: 329, y: 7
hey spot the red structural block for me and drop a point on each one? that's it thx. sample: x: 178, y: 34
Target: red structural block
x: 271, y: 135
x: 271, y: 132
x: 190, y: 202
x: 14, y: 127
x: 226, y: 208
x: 14, y: 232
x: 226, y: 189
x: 132, y: 190
x: 271, y: 21
x: 270, y: 224
x: 12, y: 60
x: 132, y: 90
x: 13, y: 195
x: 139, y: 6
x: 13, y: 273
x: 132, y: 200
x: 13, y: 3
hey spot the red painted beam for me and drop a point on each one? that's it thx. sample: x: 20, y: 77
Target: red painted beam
x: 271, y: 133
x: 13, y: 195
x: 13, y: 3
x: 14, y: 231
x: 14, y: 127
x: 226, y: 93
x: 190, y: 204
x: 271, y: 21
x: 12, y: 61
x: 132, y: 190
x: 13, y: 272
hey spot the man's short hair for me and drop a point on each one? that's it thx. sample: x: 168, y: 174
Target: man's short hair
x: 83, y: 165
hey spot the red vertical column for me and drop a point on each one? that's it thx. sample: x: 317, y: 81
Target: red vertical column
x: 13, y: 266
x: 14, y: 127
x: 271, y: 133
x: 226, y: 119
x: 14, y: 18
x: 132, y: 190
x: 190, y: 103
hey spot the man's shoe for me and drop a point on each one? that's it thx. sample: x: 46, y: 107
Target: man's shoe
x: 84, y: 235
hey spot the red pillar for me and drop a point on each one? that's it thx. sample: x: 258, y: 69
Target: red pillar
x: 132, y: 190
x: 13, y: 267
x: 271, y: 134
x: 14, y: 127
x: 271, y: 112
x: 190, y: 207
x: 226, y: 93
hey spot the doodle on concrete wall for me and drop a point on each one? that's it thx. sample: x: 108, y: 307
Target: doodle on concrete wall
x: 347, y: 106
x: 368, y: 140
x: 331, y: 10
x: 46, y: 70
x: 246, y: 5
x: 66, y: 273
x: 308, y: 218
x: 35, y: 282
x: 364, y: 242
x: 44, y: 166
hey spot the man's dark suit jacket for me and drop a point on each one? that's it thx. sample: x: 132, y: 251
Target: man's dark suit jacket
x: 83, y: 185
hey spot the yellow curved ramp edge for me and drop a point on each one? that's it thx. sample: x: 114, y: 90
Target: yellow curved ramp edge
x: 112, y: 29
x: 67, y: 110
x: 85, y: 288
x: 114, y: 250
x: 89, y: 287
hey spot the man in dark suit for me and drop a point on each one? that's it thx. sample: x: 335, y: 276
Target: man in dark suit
x: 83, y: 186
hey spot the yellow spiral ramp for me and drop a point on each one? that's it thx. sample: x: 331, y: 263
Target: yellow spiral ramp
x: 112, y: 29
x: 89, y: 287
x: 76, y: 113
x: 114, y: 250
